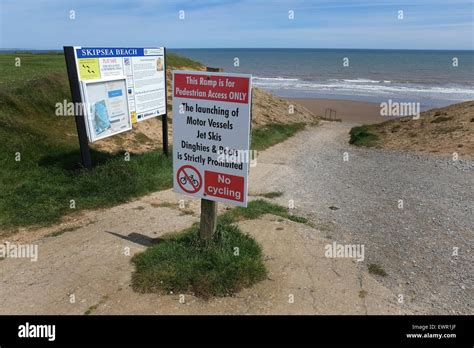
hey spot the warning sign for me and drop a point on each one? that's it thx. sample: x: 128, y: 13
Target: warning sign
x: 211, y: 135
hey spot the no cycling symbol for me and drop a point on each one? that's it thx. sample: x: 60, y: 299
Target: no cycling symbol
x: 189, y: 179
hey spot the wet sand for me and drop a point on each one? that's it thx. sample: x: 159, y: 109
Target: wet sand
x: 346, y: 110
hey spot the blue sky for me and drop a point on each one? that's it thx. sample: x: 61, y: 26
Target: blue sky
x: 427, y: 24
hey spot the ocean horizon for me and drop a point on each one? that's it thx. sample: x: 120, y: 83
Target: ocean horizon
x: 427, y: 77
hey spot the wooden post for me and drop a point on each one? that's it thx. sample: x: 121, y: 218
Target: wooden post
x: 208, y: 219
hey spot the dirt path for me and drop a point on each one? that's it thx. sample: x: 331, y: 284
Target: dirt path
x: 87, y: 270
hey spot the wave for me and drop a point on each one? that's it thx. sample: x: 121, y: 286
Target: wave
x: 364, y: 86
x: 360, y: 80
x: 256, y: 78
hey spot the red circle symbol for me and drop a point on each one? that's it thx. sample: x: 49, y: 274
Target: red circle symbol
x: 189, y: 179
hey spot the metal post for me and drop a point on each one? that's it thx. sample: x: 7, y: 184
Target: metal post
x: 164, y: 126
x: 164, y: 118
x: 77, y: 100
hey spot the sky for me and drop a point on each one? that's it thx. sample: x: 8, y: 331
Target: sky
x: 426, y: 24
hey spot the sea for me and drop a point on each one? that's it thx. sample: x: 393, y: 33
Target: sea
x: 429, y: 77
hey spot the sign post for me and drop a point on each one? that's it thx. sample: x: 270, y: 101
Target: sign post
x: 211, y: 140
x: 77, y: 100
x: 208, y: 222
x: 164, y: 117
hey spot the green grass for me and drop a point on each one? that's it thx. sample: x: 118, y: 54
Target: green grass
x: 40, y: 193
x: 182, y: 263
x: 176, y: 61
x: 273, y: 194
x: 34, y: 66
x: 38, y: 189
x: 256, y: 209
x: 269, y: 135
x: 363, y: 136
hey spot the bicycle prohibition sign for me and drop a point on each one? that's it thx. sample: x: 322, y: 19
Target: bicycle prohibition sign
x: 189, y: 179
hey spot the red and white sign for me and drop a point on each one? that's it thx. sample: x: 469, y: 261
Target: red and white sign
x: 211, y: 135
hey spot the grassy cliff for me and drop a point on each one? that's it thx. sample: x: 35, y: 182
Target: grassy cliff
x: 41, y: 178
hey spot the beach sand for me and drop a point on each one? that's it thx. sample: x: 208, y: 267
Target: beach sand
x: 346, y: 110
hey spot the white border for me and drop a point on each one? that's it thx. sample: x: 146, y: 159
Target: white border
x: 87, y: 114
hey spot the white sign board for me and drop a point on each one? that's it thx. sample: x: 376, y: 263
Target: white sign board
x: 144, y: 72
x: 107, y: 107
x: 211, y: 135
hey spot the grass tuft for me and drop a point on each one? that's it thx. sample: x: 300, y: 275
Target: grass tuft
x: 271, y: 134
x: 299, y: 219
x: 182, y: 263
x: 273, y: 194
x: 256, y: 209
x: 441, y: 119
x: 61, y: 232
x: 377, y: 270
x: 363, y: 136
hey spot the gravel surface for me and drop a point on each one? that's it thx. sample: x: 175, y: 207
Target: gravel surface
x: 413, y: 244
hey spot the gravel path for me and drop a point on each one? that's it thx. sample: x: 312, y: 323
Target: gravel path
x: 415, y: 244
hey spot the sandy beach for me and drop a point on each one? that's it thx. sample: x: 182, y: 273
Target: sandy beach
x: 346, y: 110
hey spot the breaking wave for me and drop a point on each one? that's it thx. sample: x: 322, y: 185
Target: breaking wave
x: 363, y: 86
